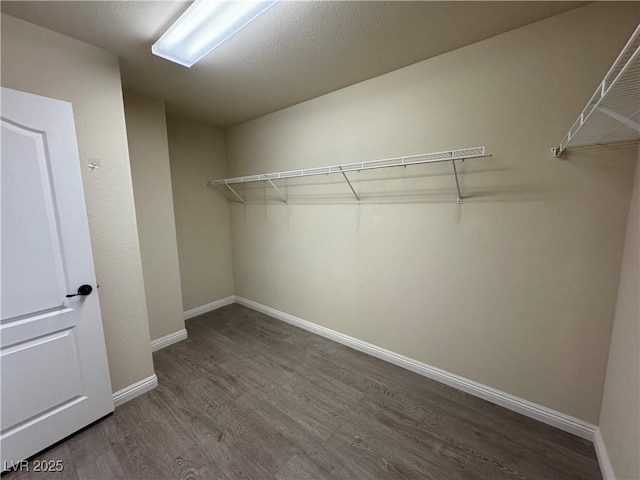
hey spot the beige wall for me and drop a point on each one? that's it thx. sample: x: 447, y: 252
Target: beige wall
x: 620, y: 416
x: 151, y: 175
x: 516, y: 288
x: 202, y: 218
x: 40, y: 61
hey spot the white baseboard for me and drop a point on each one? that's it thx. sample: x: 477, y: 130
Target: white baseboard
x: 603, y: 457
x: 169, y: 340
x: 135, y: 389
x: 546, y: 415
x: 223, y: 302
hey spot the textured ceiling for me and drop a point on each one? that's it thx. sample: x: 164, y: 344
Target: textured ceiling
x: 294, y: 52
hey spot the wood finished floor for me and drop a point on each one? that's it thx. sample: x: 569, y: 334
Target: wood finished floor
x: 250, y: 397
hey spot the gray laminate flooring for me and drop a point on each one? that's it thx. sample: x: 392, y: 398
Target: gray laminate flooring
x: 250, y: 397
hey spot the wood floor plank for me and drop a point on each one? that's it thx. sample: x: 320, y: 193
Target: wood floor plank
x: 188, y: 465
x: 244, y: 430
x: 452, y: 443
x: 286, y: 422
x: 302, y: 467
x: 154, y: 429
x: 105, y: 466
x: 135, y: 458
x: 249, y: 397
x: 88, y: 444
x: 228, y: 461
x: 395, y: 456
x: 318, y: 410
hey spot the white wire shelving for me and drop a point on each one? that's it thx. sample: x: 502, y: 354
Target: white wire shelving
x: 612, y: 114
x: 446, y: 156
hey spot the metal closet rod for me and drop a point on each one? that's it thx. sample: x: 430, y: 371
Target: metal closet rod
x: 436, y: 157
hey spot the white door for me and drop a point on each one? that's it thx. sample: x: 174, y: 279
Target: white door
x: 54, y: 377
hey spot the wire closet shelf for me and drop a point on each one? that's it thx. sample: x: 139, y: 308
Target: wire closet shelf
x: 612, y: 114
x: 343, y: 169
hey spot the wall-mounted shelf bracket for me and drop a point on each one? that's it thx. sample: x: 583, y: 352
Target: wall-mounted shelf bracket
x: 621, y: 118
x: 284, y: 199
x: 212, y: 185
x: 455, y: 174
x: 235, y: 193
x: 349, y: 183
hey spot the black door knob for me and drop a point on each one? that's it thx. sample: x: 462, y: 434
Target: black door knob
x: 83, y: 290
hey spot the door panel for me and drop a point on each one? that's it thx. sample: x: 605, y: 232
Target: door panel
x: 25, y: 360
x: 32, y: 251
x: 54, y: 377
x: 21, y: 329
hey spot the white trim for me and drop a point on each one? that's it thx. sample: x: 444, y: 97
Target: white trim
x: 603, y: 457
x: 525, y: 407
x: 168, y: 340
x: 135, y: 389
x: 223, y: 302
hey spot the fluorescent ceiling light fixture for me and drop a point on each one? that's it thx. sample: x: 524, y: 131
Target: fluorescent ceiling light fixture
x: 204, y: 26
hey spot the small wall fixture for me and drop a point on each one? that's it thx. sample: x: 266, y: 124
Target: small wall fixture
x: 205, y: 25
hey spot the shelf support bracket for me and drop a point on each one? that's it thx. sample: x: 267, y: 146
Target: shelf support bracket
x: 621, y: 118
x: 236, y: 194
x: 212, y: 186
x: 284, y: 199
x: 455, y: 174
x: 349, y: 183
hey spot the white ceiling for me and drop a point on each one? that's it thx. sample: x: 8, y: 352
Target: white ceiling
x: 294, y: 52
